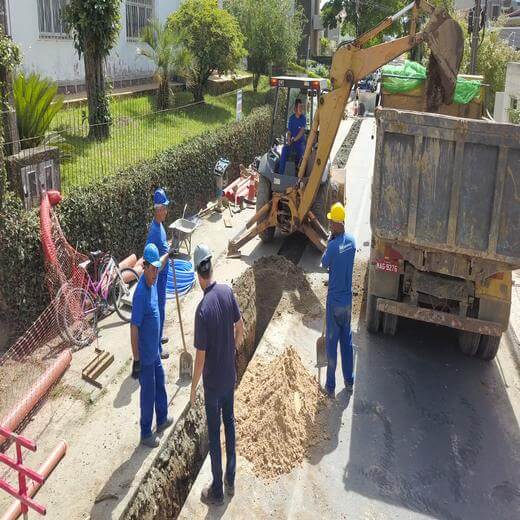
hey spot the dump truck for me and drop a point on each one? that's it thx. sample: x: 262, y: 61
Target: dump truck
x: 445, y: 219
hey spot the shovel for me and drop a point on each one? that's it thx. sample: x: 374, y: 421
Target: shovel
x: 321, y: 351
x: 186, y: 359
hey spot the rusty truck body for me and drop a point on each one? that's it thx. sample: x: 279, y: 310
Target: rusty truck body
x: 445, y: 220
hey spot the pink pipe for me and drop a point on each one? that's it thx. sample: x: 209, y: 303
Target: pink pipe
x: 129, y: 261
x: 13, y: 419
x: 44, y: 470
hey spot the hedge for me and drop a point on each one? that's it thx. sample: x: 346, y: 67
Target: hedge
x: 114, y: 214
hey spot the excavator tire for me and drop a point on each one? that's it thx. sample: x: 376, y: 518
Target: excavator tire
x: 328, y: 194
x: 263, y: 196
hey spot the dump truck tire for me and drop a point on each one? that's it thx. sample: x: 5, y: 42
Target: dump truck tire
x: 488, y: 347
x: 263, y: 196
x: 389, y: 324
x: 468, y: 342
x: 372, y: 316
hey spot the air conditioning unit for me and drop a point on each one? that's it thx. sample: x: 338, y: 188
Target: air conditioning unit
x: 36, y: 170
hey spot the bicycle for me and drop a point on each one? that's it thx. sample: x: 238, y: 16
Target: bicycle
x: 105, y: 287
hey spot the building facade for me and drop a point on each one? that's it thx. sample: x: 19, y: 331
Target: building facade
x: 37, y: 26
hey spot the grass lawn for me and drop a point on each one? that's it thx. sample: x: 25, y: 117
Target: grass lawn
x: 139, y: 133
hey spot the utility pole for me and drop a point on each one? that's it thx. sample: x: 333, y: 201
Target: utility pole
x: 475, y: 37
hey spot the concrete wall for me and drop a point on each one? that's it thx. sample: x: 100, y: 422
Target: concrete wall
x: 57, y: 59
x: 511, y: 92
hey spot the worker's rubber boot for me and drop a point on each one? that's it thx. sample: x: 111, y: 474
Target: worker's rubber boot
x: 165, y: 425
x: 152, y: 441
x: 209, y: 497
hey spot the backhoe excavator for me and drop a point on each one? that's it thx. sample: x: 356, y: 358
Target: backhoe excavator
x: 290, y: 209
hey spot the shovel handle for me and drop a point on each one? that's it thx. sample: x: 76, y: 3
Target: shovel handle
x: 178, y: 304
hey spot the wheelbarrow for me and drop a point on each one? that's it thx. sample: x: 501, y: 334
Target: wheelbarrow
x: 182, y: 229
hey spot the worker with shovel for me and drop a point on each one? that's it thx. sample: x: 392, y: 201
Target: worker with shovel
x: 157, y: 236
x: 145, y: 327
x: 339, y: 260
x: 219, y: 330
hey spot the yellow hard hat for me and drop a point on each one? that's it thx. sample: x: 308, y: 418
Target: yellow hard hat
x: 337, y: 213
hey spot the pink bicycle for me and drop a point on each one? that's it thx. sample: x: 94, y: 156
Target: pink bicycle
x: 105, y: 288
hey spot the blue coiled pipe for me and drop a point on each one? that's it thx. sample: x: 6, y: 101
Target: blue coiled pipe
x: 185, y: 278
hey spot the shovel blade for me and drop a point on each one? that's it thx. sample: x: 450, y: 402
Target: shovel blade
x: 186, y: 366
x: 321, y: 352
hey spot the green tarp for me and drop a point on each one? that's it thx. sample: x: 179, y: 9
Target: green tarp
x: 403, y: 78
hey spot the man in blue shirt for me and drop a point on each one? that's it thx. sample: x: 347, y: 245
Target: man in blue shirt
x: 157, y: 236
x: 339, y: 260
x: 219, y: 330
x: 145, y: 336
x: 295, y: 136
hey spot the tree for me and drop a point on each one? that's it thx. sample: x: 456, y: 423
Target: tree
x: 493, y: 55
x: 213, y: 38
x: 165, y: 49
x: 272, y: 30
x: 95, y: 25
x: 358, y: 16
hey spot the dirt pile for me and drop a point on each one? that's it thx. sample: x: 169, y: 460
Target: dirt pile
x: 278, y: 414
x: 272, y: 284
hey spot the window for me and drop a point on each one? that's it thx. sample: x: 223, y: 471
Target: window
x: 50, y: 18
x: 495, y: 12
x: 138, y: 14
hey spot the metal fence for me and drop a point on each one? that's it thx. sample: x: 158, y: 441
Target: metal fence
x: 67, y: 156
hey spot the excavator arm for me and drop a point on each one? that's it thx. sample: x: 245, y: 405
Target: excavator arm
x: 352, y: 62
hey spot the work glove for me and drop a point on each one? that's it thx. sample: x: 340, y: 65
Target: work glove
x: 136, y: 367
x: 172, y: 252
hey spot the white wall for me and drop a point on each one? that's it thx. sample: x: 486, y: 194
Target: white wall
x: 57, y: 58
x: 511, y: 91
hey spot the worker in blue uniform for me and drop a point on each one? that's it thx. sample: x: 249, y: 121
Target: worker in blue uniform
x: 339, y: 260
x: 157, y: 236
x: 145, y: 338
x: 296, y: 127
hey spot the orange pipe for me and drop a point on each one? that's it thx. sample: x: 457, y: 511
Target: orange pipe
x: 129, y: 261
x: 13, y: 419
x: 44, y: 470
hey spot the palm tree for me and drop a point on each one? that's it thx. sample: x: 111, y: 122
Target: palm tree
x: 165, y: 49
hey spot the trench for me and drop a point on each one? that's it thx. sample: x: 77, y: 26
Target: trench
x: 165, y: 488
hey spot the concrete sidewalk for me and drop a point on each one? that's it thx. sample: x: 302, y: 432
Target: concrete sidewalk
x: 514, y: 319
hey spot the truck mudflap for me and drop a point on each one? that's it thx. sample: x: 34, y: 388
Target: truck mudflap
x: 489, y: 328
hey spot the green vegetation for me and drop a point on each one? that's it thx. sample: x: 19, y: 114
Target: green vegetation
x: 113, y: 214
x: 139, y: 133
x: 213, y: 38
x: 95, y: 26
x: 272, y: 30
x: 37, y: 103
x: 165, y: 49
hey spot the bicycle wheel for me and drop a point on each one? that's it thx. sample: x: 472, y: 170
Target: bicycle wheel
x: 122, y: 292
x: 79, y: 316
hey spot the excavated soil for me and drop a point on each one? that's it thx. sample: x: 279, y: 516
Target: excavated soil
x: 340, y: 161
x: 278, y: 414
x: 273, y: 284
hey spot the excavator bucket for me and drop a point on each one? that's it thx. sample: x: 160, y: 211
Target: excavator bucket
x: 446, y: 42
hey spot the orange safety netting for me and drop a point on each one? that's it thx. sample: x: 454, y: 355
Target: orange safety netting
x: 37, y: 349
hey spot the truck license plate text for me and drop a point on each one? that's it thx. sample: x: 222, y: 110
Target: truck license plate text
x: 386, y: 265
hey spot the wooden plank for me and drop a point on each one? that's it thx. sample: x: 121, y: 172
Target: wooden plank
x: 455, y: 192
x: 497, y: 199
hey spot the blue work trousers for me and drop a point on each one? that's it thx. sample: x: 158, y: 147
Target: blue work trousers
x: 161, y: 300
x: 217, y: 406
x: 153, y: 395
x: 338, y: 329
x: 288, y: 150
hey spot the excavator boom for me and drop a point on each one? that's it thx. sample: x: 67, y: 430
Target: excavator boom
x: 352, y: 62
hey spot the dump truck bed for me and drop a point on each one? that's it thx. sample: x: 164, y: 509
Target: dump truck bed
x: 448, y: 184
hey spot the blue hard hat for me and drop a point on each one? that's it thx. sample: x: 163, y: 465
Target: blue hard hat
x: 151, y: 255
x: 159, y: 197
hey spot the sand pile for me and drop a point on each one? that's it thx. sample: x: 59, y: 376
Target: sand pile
x: 277, y: 414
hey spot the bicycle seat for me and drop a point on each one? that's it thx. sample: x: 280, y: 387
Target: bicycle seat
x: 94, y: 255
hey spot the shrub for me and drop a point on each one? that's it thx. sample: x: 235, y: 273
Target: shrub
x: 114, y: 215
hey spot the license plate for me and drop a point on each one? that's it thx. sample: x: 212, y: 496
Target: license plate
x: 387, y: 265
